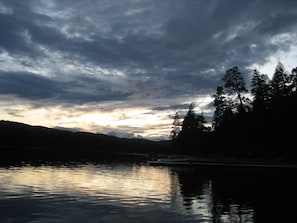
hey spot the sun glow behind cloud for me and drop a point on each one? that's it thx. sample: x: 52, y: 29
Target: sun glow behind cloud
x: 124, y: 122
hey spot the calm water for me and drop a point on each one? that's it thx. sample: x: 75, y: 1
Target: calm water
x: 127, y: 192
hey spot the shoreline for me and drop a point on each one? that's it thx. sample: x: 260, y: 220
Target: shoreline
x: 219, y: 162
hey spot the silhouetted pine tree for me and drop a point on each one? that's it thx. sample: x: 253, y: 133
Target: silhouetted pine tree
x: 261, y: 90
x: 191, y: 138
x: 223, y: 108
x: 175, y: 127
x: 231, y: 113
x: 236, y: 85
x: 189, y: 120
x: 280, y: 82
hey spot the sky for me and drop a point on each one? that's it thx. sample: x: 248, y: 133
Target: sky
x: 125, y: 67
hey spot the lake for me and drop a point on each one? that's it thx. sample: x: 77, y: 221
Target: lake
x: 137, y: 192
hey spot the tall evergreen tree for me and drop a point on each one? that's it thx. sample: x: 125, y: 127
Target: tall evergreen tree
x: 187, y: 135
x: 235, y: 85
x: 175, y: 127
x: 200, y: 122
x: 261, y: 90
x: 280, y: 82
x: 223, y: 109
x: 193, y: 133
x: 189, y: 123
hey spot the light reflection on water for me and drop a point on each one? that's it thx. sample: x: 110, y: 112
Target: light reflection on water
x: 121, y: 183
x: 126, y: 193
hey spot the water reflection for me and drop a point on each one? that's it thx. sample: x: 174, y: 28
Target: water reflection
x: 126, y: 184
x: 240, y: 195
x: 133, y: 193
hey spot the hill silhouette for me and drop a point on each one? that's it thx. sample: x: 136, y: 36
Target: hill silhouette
x: 23, y: 142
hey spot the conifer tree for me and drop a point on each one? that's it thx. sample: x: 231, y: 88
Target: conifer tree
x: 176, y: 127
x: 235, y: 85
x: 261, y: 90
x: 189, y: 121
x: 280, y: 81
x: 200, y: 122
x: 221, y: 107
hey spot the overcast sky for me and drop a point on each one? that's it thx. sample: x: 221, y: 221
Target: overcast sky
x: 124, y: 67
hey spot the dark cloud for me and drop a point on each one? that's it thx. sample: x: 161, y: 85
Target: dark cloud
x: 27, y: 85
x: 185, y: 37
x: 35, y: 87
x: 13, y: 34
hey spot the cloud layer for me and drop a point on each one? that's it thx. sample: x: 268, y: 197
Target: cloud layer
x: 143, y: 53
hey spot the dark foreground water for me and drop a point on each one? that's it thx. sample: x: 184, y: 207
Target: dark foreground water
x: 127, y: 192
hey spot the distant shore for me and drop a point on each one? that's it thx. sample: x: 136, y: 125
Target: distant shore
x: 25, y: 143
x: 219, y: 161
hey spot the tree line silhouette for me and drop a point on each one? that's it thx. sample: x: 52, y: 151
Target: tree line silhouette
x: 261, y: 122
